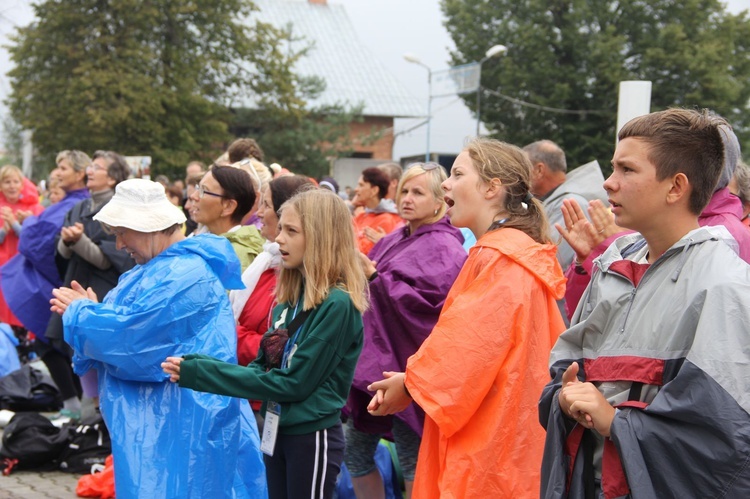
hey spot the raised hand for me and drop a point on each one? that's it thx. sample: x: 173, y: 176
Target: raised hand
x: 63, y: 296
x: 579, y: 233
x: 603, y: 220
x: 367, y: 265
x: 72, y: 234
x: 374, y: 235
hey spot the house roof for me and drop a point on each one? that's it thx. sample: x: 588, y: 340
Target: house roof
x: 351, y: 72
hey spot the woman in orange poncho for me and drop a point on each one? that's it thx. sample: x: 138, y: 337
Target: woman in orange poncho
x: 478, y: 374
x: 378, y: 215
x: 18, y: 199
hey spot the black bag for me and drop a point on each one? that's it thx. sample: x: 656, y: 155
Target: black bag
x: 273, y: 342
x: 28, y: 389
x: 31, y: 441
x: 89, y: 444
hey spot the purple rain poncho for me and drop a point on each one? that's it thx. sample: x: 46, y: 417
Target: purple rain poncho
x: 28, y: 278
x: 414, y: 275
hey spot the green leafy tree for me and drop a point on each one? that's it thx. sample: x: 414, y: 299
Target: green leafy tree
x: 155, y: 77
x: 572, y: 54
x: 13, y: 143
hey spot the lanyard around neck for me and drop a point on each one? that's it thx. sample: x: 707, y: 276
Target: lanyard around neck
x: 291, y: 341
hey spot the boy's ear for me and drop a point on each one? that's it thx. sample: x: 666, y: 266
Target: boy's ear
x: 680, y: 189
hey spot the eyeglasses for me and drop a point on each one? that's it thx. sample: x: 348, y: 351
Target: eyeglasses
x: 94, y: 167
x: 201, y: 190
x: 429, y: 166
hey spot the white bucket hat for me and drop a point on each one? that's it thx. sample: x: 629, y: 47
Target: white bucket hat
x: 140, y: 205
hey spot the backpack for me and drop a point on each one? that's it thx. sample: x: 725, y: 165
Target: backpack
x: 28, y: 389
x: 31, y: 441
x: 89, y: 444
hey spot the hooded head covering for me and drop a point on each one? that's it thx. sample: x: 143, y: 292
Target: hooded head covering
x: 732, y: 155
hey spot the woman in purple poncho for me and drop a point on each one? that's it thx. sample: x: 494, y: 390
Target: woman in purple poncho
x: 410, y: 271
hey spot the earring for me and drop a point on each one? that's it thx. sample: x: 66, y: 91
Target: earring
x: 436, y: 211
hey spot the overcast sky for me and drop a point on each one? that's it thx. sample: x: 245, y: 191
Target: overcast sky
x: 390, y: 28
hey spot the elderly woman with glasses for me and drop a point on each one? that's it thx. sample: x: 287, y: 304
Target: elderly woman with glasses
x: 166, y: 441
x: 90, y: 257
x: 410, y: 272
x: 223, y: 197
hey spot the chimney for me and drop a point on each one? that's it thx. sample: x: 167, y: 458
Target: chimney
x: 318, y: 2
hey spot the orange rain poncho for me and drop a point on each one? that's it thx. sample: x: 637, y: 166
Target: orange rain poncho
x: 479, y: 374
x: 381, y: 220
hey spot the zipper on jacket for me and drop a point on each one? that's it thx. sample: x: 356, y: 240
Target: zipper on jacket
x: 630, y: 306
x: 680, y: 264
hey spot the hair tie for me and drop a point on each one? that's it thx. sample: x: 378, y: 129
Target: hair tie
x: 528, y: 197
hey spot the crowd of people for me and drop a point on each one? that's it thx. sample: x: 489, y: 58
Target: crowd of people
x: 250, y: 332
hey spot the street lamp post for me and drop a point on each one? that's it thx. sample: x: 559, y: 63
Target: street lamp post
x: 415, y: 60
x: 494, y: 51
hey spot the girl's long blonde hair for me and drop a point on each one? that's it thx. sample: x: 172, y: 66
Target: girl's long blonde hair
x: 331, y: 257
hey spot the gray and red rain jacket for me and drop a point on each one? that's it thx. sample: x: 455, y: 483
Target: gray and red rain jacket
x: 668, y: 344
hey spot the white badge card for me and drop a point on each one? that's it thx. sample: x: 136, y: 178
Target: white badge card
x: 270, y: 428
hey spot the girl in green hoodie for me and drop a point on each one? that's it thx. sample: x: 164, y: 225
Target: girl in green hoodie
x: 303, y: 391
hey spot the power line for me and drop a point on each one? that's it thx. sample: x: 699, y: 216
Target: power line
x: 544, y: 108
x: 421, y: 123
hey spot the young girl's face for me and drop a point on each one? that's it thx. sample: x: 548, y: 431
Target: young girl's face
x: 56, y: 194
x: 291, y: 239
x: 11, y: 187
x: 462, y: 193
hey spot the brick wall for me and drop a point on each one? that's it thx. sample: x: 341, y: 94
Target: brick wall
x: 380, y: 149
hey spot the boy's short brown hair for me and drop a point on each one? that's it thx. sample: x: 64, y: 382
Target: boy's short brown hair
x: 683, y: 141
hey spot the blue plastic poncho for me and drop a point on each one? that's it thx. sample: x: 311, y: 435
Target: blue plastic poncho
x: 9, y: 361
x: 168, y: 441
x: 28, y: 278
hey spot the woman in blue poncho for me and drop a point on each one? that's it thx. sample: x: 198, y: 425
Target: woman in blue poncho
x: 166, y: 442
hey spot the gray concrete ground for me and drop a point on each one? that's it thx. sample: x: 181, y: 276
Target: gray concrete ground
x: 38, y: 485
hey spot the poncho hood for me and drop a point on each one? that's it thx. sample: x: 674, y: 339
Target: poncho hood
x: 218, y: 253
x: 630, y: 243
x: 539, y: 259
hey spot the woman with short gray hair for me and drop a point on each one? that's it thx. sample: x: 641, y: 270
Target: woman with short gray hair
x: 91, y: 258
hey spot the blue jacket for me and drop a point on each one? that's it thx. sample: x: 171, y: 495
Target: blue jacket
x: 9, y: 361
x: 168, y: 441
x: 28, y: 278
